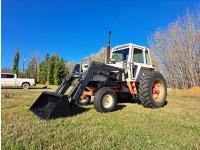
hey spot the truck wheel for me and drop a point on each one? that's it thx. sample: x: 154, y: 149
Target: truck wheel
x: 105, y: 100
x: 152, y: 90
x: 85, y: 101
x: 25, y: 85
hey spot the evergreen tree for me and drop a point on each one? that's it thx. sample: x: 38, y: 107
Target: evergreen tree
x: 56, y: 70
x: 16, y: 62
x: 63, y: 70
x: 43, y: 72
x: 44, y: 69
x: 50, y: 70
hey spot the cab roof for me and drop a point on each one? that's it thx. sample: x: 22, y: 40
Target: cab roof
x: 127, y: 45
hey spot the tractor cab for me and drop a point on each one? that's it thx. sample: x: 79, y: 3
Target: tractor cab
x: 131, y: 57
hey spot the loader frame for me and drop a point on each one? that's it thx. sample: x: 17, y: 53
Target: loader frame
x: 85, y: 85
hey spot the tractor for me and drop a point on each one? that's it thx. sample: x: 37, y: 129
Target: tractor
x: 126, y: 74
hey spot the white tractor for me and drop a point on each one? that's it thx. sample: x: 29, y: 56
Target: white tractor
x: 127, y: 72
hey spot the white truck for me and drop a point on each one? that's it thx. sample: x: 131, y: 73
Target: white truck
x: 11, y: 80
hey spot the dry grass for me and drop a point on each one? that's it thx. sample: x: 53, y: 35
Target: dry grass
x: 176, y: 126
x: 193, y: 92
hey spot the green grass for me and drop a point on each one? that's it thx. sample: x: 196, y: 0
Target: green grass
x: 176, y: 126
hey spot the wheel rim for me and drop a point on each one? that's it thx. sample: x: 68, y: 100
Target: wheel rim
x: 107, y: 101
x: 84, y: 100
x: 158, y: 90
x: 25, y: 86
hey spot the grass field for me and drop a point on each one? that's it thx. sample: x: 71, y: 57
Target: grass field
x: 176, y: 126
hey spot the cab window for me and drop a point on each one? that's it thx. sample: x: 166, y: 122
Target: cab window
x: 7, y: 76
x: 10, y: 76
x: 138, y: 56
x: 3, y: 76
x: 120, y: 55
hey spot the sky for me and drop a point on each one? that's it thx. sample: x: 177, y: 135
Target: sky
x: 75, y: 29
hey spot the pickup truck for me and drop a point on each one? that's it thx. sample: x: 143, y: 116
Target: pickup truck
x: 11, y: 80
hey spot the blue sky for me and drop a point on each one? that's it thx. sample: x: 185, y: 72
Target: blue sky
x: 77, y: 28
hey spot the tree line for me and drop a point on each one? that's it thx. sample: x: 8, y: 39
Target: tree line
x: 176, y: 50
x: 52, y: 70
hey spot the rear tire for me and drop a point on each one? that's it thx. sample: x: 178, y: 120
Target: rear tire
x: 152, y: 90
x: 25, y: 85
x: 105, y: 100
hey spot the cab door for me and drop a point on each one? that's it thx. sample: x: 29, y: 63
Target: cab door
x: 137, y: 61
x: 10, y: 80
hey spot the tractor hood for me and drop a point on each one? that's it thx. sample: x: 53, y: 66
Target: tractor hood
x: 120, y: 65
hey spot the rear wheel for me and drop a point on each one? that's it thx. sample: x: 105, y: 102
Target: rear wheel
x: 25, y: 85
x: 105, y: 100
x: 152, y: 90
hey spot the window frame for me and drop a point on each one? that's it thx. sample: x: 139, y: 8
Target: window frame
x: 121, y: 49
x: 142, y: 55
x: 147, y: 56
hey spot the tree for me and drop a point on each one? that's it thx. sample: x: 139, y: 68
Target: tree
x: 56, y: 70
x: 69, y: 66
x: 31, y: 70
x: 43, y: 72
x: 99, y: 57
x: 38, y: 73
x: 50, y: 70
x: 16, y: 62
x: 36, y: 56
x: 6, y: 70
x: 44, y: 69
x: 177, y: 49
x: 63, y: 70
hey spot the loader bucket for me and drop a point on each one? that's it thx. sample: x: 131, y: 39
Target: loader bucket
x: 51, y: 105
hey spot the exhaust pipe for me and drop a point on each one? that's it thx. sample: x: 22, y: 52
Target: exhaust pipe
x: 107, y: 50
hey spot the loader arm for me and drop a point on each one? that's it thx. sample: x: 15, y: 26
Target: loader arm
x: 94, y: 68
x: 84, y: 78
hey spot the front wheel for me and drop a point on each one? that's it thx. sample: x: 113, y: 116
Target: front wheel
x: 152, y: 90
x: 85, y: 101
x: 25, y: 85
x: 105, y: 100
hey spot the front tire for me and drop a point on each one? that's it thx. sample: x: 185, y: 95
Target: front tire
x: 152, y: 90
x: 105, y: 100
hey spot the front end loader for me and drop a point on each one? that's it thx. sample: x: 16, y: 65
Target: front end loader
x: 57, y: 104
x: 127, y: 73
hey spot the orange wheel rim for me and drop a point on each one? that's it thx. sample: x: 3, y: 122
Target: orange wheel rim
x: 158, y: 91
